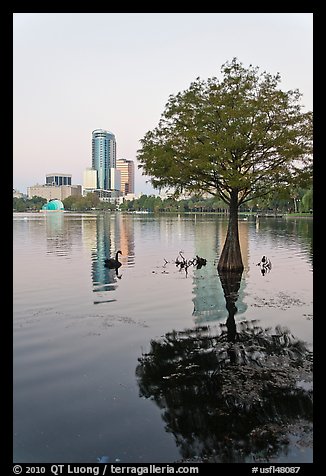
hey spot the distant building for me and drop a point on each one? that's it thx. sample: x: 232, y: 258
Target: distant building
x: 90, y: 180
x: 127, y: 171
x: 17, y: 194
x: 128, y: 197
x: 51, y: 192
x: 57, y: 186
x: 115, y: 180
x: 58, y: 179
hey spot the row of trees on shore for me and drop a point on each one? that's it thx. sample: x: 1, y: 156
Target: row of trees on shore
x: 300, y: 201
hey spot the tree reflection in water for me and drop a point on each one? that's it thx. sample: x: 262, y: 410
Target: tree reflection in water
x: 229, y: 395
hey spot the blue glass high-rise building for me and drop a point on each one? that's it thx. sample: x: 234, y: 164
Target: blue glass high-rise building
x: 104, y: 157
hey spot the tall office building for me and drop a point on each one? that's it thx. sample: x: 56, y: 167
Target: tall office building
x: 103, y: 157
x: 127, y: 171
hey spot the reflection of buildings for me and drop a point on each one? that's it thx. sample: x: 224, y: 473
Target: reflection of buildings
x: 60, y: 236
x: 89, y: 231
x: 209, y: 300
x: 107, y: 240
x: 113, y: 232
x: 127, y: 242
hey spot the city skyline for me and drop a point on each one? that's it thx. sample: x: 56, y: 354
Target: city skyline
x: 99, y: 174
x: 114, y: 177
x: 75, y: 72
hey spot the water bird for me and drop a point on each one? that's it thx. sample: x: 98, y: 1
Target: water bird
x: 265, y: 265
x: 180, y: 263
x: 265, y: 262
x: 113, y: 263
x: 200, y: 261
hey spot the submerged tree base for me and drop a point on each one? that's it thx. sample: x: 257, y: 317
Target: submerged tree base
x: 231, y: 259
x: 229, y: 264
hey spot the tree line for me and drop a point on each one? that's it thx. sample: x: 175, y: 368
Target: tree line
x: 301, y: 201
x: 296, y: 201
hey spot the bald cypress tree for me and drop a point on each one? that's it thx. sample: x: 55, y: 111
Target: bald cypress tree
x: 239, y: 137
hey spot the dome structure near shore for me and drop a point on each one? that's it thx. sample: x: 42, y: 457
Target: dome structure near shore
x: 53, y: 206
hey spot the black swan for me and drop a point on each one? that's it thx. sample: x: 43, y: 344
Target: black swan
x: 113, y: 263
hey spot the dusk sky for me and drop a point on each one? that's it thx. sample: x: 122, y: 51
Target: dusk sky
x: 76, y: 72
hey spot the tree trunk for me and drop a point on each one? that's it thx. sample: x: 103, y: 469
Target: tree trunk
x: 230, y: 259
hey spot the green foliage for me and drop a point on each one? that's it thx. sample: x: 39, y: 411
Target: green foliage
x: 28, y: 204
x: 149, y: 203
x: 307, y: 201
x: 90, y: 202
x: 240, y: 134
x: 282, y: 202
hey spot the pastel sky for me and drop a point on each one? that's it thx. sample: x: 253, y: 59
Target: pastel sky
x: 76, y: 72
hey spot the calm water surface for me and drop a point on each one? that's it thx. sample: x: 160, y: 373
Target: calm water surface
x: 83, y: 390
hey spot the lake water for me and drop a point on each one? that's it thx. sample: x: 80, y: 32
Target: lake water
x: 101, y: 358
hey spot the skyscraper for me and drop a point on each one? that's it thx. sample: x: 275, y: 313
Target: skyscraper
x: 103, y: 157
x: 127, y: 171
